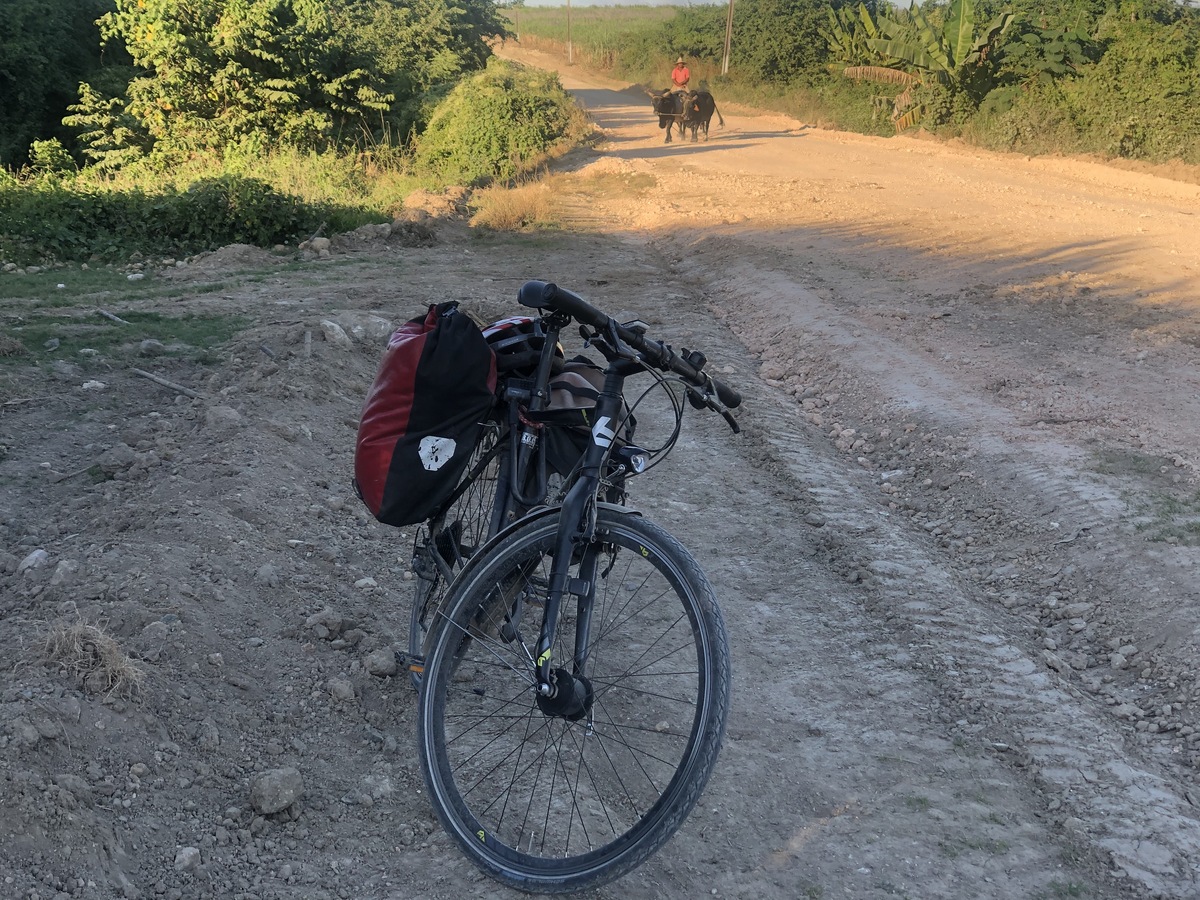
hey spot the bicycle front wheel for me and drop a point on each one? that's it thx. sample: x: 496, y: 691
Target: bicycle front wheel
x: 548, y: 803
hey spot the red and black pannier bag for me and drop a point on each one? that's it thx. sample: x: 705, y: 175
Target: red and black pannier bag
x: 423, y: 415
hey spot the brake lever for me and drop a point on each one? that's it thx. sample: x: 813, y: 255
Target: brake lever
x: 620, y: 348
x: 700, y: 400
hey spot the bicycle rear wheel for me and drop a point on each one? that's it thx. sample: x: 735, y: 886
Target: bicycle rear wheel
x: 448, y: 540
x: 539, y: 801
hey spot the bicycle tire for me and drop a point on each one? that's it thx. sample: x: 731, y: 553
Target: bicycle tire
x: 542, y: 803
x: 455, y: 534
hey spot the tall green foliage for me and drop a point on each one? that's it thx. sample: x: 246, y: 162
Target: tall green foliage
x: 220, y: 76
x: 778, y: 41
x: 697, y: 32
x: 421, y: 47
x: 219, y: 73
x: 1142, y: 98
x: 46, y: 48
x: 954, y: 51
x: 942, y: 58
x: 849, y: 33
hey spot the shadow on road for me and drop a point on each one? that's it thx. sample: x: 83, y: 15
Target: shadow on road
x: 679, y: 148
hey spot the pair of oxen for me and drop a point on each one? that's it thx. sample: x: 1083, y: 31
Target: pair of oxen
x: 690, y: 110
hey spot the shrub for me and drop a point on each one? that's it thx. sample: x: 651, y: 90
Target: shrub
x: 1142, y: 99
x: 50, y: 157
x: 229, y: 209
x: 1035, y: 119
x: 63, y: 219
x: 496, y: 125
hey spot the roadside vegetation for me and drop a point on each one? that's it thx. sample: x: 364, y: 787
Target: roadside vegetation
x: 168, y: 129
x: 1116, y: 78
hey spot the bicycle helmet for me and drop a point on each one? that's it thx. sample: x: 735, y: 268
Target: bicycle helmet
x: 517, y: 342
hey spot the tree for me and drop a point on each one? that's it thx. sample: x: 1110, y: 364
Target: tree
x: 422, y: 46
x: 848, y: 33
x: 952, y: 55
x: 220, y: 75
x: 46, y: 48
x: 778, y: 41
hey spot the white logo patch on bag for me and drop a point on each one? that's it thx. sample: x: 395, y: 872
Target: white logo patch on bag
x: 435, y: 452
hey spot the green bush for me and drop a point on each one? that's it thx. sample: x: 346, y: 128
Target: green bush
x: 496, y: 125
x: 64, y: 219
x: 1141, y: 100
x: 1030, y: 119
x: 50, y: 157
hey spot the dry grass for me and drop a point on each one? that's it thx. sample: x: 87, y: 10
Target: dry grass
x: 89, y: 654
x: 522, y: 208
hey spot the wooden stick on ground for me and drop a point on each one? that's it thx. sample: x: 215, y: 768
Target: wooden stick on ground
x: 21, y: 400
x: 57, y: 478
x: 188, y: 392
x: 111, y: 317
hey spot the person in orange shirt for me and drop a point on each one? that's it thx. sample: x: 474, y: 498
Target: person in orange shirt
x: 680, y: 75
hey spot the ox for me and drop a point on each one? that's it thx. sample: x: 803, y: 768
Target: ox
x: 698, y: 109
x: 669, y: 107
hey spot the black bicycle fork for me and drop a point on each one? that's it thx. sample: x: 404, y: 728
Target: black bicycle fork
x: 561, y: 692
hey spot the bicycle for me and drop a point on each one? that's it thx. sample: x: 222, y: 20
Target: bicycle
x: 511, y: 471
x: 576, y: 683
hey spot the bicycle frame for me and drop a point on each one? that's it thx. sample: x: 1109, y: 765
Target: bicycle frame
x: 537, y: 397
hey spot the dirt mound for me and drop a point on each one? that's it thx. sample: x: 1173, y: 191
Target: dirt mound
x: 237, y: 256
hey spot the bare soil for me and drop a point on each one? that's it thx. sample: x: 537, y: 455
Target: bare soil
x: 956, y: 543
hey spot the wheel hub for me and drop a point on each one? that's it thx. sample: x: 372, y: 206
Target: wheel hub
x: 572, y: 698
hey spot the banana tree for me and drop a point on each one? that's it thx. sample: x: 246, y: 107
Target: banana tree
x: 952, y: 55
x: 848, y: 33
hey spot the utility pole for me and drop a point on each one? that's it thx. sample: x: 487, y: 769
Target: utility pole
x: 728, y: 38
x: 570, y: 49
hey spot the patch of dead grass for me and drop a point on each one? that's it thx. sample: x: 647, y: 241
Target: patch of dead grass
x: 521, y: 208
x: 88, y: 653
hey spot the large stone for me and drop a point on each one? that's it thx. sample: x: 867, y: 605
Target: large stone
x: 336, y: 335
x: 276, y: 790
x: 381, y: 663
x: 34, y: 560
x: 222, y: 417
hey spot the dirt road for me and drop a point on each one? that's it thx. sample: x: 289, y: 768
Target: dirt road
x: 956, y: 543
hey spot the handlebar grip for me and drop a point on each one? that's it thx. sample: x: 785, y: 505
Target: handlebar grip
x: 547, y: 295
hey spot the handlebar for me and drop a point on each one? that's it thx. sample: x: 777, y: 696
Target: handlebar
x: 545, y: 295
